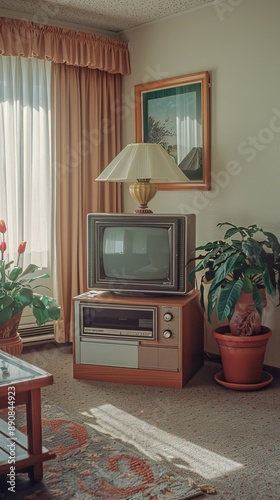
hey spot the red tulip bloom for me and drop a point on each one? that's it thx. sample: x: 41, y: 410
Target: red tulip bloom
x: 22, y: 247
x: 3, y: 246
x: 3, y: 228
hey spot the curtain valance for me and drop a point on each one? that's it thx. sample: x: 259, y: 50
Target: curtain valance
x: 59, y: 45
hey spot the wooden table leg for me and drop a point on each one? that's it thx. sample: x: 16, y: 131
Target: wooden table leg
x: 34, y: 432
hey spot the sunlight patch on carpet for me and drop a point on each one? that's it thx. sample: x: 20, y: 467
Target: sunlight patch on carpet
x: 159, y: 445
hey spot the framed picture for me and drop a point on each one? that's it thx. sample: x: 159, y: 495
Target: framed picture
x: 175, y: 112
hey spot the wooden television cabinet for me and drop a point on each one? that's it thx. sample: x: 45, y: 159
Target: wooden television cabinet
x: 163, y: 344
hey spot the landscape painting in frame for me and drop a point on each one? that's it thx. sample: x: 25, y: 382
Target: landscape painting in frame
x: 175, y: 113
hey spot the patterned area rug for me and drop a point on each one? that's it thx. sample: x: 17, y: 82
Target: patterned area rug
x: 91, y: 465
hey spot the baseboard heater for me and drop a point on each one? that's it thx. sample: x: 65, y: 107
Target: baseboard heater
x: 35, y: 334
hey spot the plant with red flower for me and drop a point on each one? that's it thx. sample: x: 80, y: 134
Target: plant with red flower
x: 16, y: 288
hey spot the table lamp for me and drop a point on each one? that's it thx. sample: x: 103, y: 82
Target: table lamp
x: 143, y: 165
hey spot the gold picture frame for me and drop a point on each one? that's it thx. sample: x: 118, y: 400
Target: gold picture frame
x: 175, y: 112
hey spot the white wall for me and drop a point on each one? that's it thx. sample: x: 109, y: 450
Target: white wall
x: 240, y: 47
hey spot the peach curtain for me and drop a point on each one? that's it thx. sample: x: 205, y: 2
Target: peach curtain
x: 86, y: 109
x: 28, y: 39
x: 87, y: 116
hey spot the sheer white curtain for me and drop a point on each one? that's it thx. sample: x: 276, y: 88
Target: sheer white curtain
x: 25, y: 156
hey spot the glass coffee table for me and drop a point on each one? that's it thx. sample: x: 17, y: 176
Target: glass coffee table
x: 20, y: 384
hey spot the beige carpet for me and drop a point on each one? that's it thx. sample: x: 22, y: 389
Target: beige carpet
x: 204, y: 431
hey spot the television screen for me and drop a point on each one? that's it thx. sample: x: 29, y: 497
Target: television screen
x: 139, y: 253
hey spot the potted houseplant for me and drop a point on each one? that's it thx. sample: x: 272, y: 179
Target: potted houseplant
x: 236, y: 274
x: 17, y: 291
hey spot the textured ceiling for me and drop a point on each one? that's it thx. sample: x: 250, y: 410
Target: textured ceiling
x: 109, y: 15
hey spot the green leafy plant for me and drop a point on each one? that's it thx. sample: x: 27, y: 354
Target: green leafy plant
x: 246, y: 259
x: 17, y: 290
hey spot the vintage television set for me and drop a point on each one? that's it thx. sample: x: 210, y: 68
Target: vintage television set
x: 140, y: 321
x: 140, y: 253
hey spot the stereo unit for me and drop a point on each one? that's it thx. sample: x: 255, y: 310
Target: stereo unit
x: 126, y: 322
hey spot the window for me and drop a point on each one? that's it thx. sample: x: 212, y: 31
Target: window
x: 25, y: 153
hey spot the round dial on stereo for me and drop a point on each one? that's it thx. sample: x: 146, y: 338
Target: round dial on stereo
x: 167, y: 334
x: 167, y: 316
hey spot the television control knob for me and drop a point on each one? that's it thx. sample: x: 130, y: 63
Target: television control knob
x: 167, y: 334
x: 167, y: 316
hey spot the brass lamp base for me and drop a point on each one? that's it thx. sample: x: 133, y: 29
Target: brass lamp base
x: 143, y: 191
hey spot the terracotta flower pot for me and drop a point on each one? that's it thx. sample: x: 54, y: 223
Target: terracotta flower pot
x: 10, y: 340
x: 242, y: 357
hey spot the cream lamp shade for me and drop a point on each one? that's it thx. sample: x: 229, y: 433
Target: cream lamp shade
x: 140, y: 164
